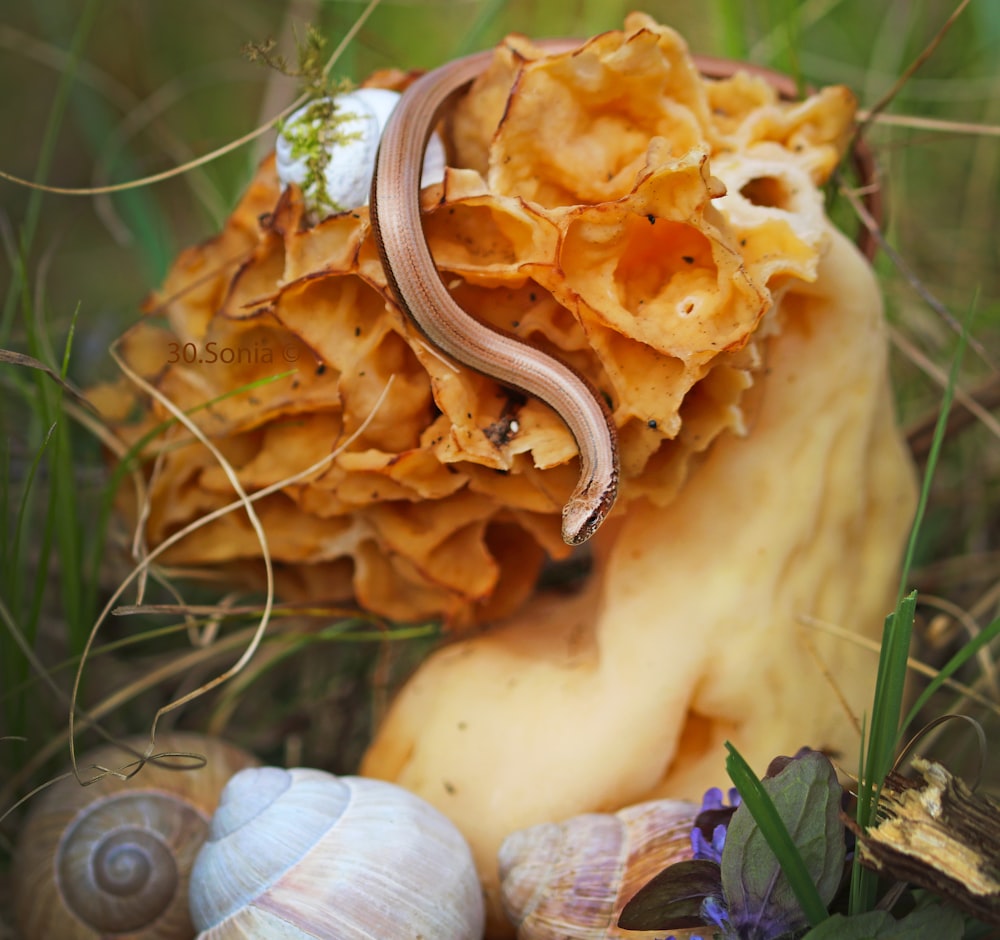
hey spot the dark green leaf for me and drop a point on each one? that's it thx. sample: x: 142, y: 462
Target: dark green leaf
x: 806, y: 797
x: 933, y: 922
x: 673, y: 898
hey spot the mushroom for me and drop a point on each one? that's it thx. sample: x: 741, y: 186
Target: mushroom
x: 691, y: 630
x: 446, y: 502
x: 665, y: 236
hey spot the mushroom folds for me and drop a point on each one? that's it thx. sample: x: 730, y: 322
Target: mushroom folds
x: 704, y: 622
x: 609, y: 205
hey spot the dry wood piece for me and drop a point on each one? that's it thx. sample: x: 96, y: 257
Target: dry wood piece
x: 940, y: 835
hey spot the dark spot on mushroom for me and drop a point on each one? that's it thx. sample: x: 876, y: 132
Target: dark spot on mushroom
x: 357, y: 331
x: 501, y: 431
x: 321, y: 368
x: 651, y: 424
x: 449, y: 788
x: 687, y: 259
x: 651, y: 219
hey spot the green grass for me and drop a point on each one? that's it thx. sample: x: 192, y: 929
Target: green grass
x: 127, y: 88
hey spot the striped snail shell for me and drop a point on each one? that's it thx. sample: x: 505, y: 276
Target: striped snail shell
x: 570, y: 880
x: 115, y: 857
x: 304, y: 854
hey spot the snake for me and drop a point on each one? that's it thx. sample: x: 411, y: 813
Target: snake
x: 423, y: 297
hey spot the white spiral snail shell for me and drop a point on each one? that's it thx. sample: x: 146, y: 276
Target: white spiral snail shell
x: 302, y: 853
x: 570, y: 880
x: 114, y: 858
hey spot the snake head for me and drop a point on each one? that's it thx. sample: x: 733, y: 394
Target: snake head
x: 586, y: 509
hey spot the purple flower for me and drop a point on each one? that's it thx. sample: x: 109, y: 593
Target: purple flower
x: 704, y: 849
x: 709, y: 833
x: 713, y: 799
x: 714, y: 911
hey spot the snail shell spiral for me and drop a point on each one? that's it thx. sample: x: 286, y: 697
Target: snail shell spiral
x: 115, y: 857
x: 570, y: 880
x: 304, y: 854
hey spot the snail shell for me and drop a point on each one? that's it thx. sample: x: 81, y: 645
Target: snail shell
x: 302, y: 853
x: 570, y: 880
x: 115, y: 857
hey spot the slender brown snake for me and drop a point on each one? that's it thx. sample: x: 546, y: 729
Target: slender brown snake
x: 421, y: 294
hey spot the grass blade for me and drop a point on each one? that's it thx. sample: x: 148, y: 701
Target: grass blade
x: 890, y: 684
x: 773, y: 829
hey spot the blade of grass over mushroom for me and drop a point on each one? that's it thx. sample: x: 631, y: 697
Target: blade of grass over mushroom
x: 890, y: 684
x: 774, y: 831
x: 244, y: 502
x: 965, y: 692
x: 132, y: 458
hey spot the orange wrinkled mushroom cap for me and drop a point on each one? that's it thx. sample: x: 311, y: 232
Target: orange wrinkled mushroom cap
x: 609, y: 206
